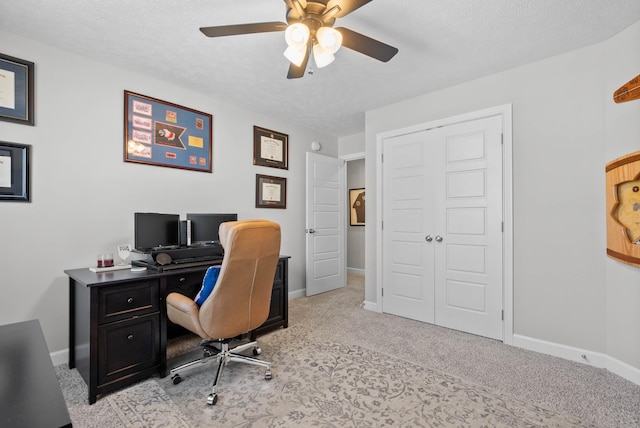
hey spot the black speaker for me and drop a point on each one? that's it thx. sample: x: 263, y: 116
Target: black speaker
x: 185, y: 233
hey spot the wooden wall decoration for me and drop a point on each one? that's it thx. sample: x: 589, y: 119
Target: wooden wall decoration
x: 629, y: 91
x: 623, y: 209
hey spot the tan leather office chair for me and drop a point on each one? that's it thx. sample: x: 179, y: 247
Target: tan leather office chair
x: 240, y: 300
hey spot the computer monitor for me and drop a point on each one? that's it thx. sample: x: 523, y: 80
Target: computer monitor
x: 156, y: 231
x: 204, y: 227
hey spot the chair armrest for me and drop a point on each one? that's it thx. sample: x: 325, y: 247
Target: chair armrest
x: 183, y: 311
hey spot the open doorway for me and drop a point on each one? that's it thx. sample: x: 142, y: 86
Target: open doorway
x: 356, y: 218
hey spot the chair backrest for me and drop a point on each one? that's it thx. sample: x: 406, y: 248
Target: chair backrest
x: 241, y: 299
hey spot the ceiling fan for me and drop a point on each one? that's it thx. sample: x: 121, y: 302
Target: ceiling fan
x: 309, y: 28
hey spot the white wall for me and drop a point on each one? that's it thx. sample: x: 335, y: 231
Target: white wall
x: 565, y: 129
x: 622, y: 137
x: 84, y: 195
x: 351, y: 144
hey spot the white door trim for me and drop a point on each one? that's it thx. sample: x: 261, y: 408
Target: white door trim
x: 507, y: 188
x: 352, y: 156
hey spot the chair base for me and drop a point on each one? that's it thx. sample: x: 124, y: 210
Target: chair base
x: 223, y: 356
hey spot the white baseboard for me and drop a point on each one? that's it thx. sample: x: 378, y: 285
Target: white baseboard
x: 370, y: 306
x: 584, y: 356
x: 297, y: 293
x: 356, y: 270
x: 59, y: 357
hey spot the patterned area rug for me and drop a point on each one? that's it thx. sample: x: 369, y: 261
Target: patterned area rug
x: 143, y: 405
x: 146, y: 404
x: 336, y: 385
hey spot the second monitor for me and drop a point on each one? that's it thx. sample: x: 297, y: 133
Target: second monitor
x: 204, y: 227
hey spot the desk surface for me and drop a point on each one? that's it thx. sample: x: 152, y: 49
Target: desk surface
x: 29, y: 392
x: 92, y: 279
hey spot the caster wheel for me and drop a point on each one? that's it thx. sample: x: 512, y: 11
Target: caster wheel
x: 176, y: 379
x: 207, y: 353
x: 267, y: 375
x: 212, y: 399
x: 257, y: 351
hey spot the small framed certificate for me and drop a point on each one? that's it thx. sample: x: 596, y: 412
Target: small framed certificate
x: 271, y: 192
x: 14, y: 172
x: 270, y: 148
x: 16, y: 90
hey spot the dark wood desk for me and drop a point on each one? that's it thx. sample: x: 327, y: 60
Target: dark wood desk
x: 118, y: 326
x: 30, y: 395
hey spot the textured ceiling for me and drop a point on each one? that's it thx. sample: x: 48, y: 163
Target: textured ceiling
x: 441, y: 43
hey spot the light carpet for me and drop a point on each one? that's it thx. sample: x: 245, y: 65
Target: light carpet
x: 337, y: 366
x: 330, y: 384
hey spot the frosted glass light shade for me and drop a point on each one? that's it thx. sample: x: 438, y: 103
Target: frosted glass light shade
x: 322, y: 56
x: 296, y: 35
x: 295, y: 55
x: 329, y: 38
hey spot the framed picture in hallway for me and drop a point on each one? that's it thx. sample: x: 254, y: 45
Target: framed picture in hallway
x: 356, y: 207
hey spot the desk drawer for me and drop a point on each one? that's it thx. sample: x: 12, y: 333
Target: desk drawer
x: 186, y: 283
x: 122, y: 302
x: 128, y: 347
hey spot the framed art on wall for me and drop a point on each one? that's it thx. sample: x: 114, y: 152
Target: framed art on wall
x: 14, y: 172
x: 271, y: 192
x: 16, y: 90
x: 160, y: 133
x: 356, y: 207
x: 270, y: 148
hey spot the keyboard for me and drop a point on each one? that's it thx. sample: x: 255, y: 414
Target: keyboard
x: 194, y: 259
x: 172, y: 266
x: 210, y: 261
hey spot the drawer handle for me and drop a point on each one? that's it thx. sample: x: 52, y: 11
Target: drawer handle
x: 182, y: 279
x: 130, y: 337
x: 130, y: 300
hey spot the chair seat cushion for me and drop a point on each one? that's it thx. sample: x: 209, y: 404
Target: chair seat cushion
x: 208, y: 282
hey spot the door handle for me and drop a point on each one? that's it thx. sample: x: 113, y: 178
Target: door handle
x: 312, y: 231
x: 438, y: 238
x: 428, y: 238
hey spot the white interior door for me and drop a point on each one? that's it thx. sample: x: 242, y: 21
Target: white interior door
x: 325, y: 225
x: 442, y: 226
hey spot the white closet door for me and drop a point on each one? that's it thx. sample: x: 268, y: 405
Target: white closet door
x: 408, y: 218
x: 442, y: 226
x: 468, y: 259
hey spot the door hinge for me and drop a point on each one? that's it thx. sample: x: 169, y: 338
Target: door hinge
x: 382, y: 157
x: 503, y: 227
x: 383, y: 292
x: 502, y: 139
x: 503, y: 315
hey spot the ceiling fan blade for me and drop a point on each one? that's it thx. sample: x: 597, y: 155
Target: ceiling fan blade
x: 346, y: 6
x: 366, y: 45
x: 296, y: 72
x: 232, y: 30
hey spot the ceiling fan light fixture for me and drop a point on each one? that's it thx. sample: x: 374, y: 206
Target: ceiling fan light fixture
x: 322, y: 56
x: 295, y: 55
x: 329, y: 38
x: 297, y: 35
